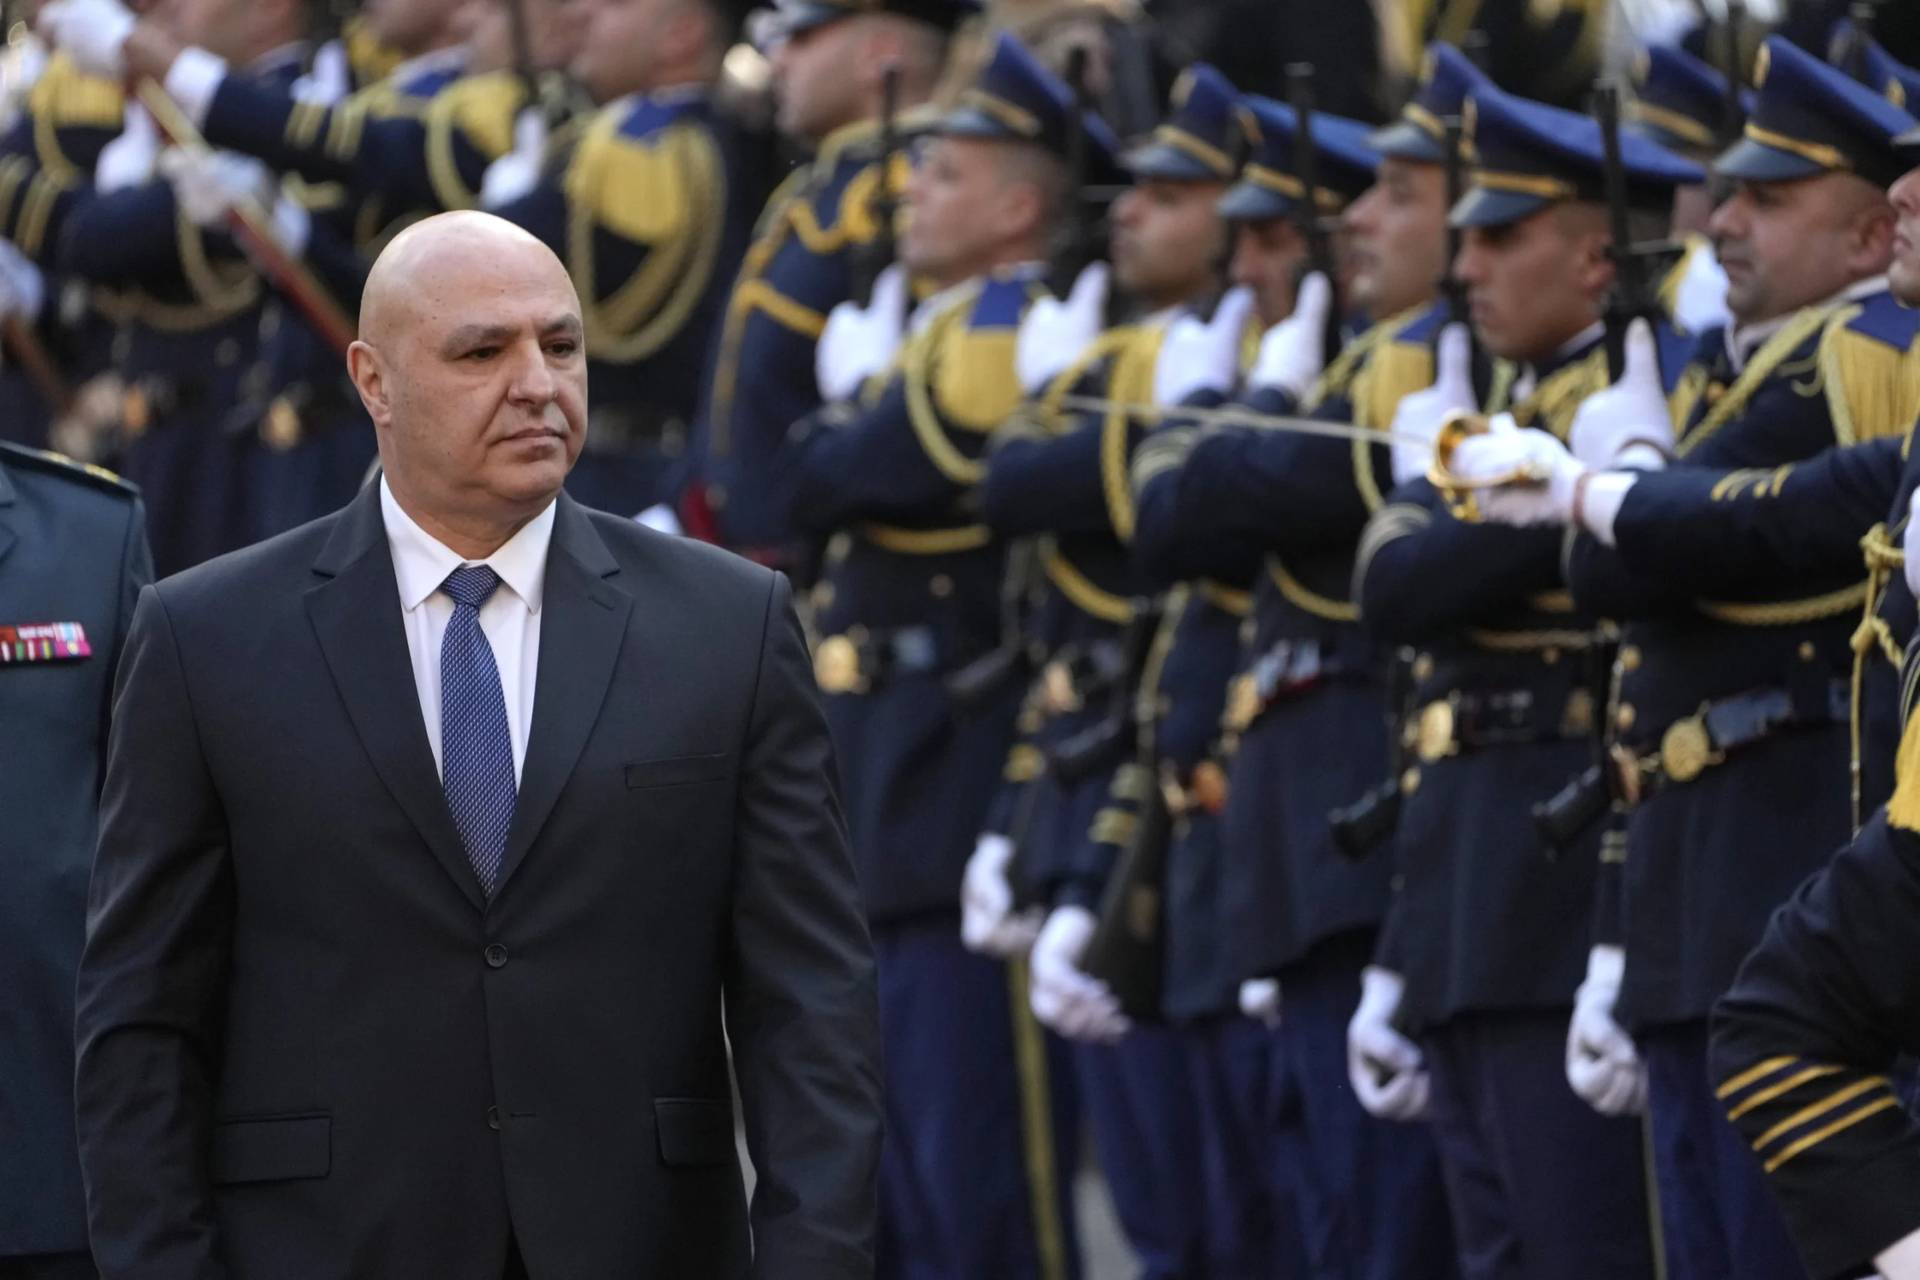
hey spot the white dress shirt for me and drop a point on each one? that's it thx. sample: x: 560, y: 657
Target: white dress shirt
x: 510, y: 619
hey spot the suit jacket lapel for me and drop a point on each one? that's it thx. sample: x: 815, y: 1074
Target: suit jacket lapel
x: 580, y: 636
x: 355, y: 609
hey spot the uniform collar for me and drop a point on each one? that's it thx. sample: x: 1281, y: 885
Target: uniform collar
x: 453, y: 57
x: 422, y: 562
x: 1744, y: 340
x: 1569, y: 351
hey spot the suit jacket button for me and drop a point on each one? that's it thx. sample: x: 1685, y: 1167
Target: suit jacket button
x: 493, y: 1119
x: 496, y: 956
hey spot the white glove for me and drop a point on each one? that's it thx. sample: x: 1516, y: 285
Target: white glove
x: 1293, y: 355
x: 1506, y: 449
x: 1910, y: 543
x: 859, y: 342
x: 1901, y: 1261
x: 329, y: 79
x: 92, y: 32
x: 1417, y: 419
x: 515, y: 174
x: 23, y: 290
x: 130, y: 159
x: 1386, y: 1069
x: 988, y: 924
x: 1053, y: 333
x: 210, y: 184
x: 1602, y: 1065
x: 1202, y: 355
x: 1701, y: 301
x: 1260, y: 1000
x: 1065, y: 999
x: 1627, y: 423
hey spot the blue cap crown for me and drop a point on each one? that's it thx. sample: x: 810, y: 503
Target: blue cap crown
x: 1893, y: 80
x: 1270, y: 185
x: 796, y: 16
x: 1528, y: 155
x: 1200, y: 139
x: 1678, y: 100
x: 1809, y: 118
x: 1447, y: 79
x: 1016, y: 99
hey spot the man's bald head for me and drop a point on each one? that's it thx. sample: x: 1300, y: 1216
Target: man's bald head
x: 472, y: 363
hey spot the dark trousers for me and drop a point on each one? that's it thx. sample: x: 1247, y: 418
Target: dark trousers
x: 1374, y: 1201
x: 1716, y: 1214
x: 975, y: 1174
x: 1542, y: 1186
x: 49, y: 1266
x: 1252, y: 1224
x: 1144, y: 1117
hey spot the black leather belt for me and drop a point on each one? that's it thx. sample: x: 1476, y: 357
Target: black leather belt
x: 860, y: 657
x: 1466, y: 721
x: 1699, y: 742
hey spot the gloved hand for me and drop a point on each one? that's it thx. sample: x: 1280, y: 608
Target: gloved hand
x: 1260, y: 1000
x: 131, y: 159
x: 1053, y: 333
x: 210, y: 184
x: 1293, y: 355
x: 515, y: 174
x: 1064, y: 998
x: 1627, y: 423
x: 328, y: 80
x: 1505, y: 449
x: 1700, y: 303
x: 91, y: 32
x: 988, y: 922
x: 859, y: 342
x: 1386, y: 1069
x: 1202, y: 355
x: 1900, y: 1260
x: 23, y: 290
x: 1416, y: 422
x: 1602, y: 1065
x: 1910, y: 543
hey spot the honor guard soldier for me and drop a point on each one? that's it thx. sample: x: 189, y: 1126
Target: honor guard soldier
x: 910, y: 599
x: 185, y: 302
x: 1061, y: 479
x: 821, y: 239
x: 1303, y: 723
x: 1486, y: 939
x: 1730, y: 730
x: 73, y: 555
x: 1683, y: 104
x: 651, y: 208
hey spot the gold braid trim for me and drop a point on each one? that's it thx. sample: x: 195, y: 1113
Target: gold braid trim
x: 1131, y: 382
x: 1528, y: 641
x: 1226, y: 599
x: 1036, y: 1125
x: 1786, y: 613
x: 226, y: 297
x: 926, y: 542
x: 1871, y: 388
x: 1301, y: 596
x: 916, y: 376
x: 1766, y: 361
x: 1080, y: 590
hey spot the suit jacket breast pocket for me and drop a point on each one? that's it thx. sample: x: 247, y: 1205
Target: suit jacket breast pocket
x: 272, y: 1149
x: 679, y: 771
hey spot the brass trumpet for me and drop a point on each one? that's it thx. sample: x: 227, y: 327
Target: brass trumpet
x: 1459, y: 494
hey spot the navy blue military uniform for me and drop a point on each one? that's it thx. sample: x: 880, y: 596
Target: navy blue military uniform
x: 73, y: 556
x: 1304, y: 727
x: 1488, y: 927
x: 974, y: 1174
x: 1733, y: 694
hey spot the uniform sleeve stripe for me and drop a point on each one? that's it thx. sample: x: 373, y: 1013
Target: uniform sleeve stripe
x: 1819, y: 1136
x: 1753, y: 1075
x: 1832, y: 1102
x: 1763, y: 1096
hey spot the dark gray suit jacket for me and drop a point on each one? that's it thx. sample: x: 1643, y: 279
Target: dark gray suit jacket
x: 309, y: 1047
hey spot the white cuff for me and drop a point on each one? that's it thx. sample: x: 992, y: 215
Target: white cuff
x: 192, y: 81
x: 1641, y: 456
x: 1901, y: 1260
x: 1600, y: 504
x: 292, y: 225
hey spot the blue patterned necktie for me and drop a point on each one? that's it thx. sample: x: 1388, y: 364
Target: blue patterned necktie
x: 476, y: 750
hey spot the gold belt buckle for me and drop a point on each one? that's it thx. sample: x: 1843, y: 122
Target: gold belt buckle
x: 1686, y: 748
x: 1433, y: 736
x: 836, y: 666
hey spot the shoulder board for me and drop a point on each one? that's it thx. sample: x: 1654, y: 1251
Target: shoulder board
x: 59, y: 464
x: 650, y: 116
x: 1419, y: 325
x: 370, y: 60
x: 64, y: 97
x: 429, y: 83
x: 1881, y: 317
x: 1002, y: 302
x: 1870, y: 359
x: 482, y: 107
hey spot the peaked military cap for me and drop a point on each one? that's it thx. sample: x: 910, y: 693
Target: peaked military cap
x: 1810, y: 118
x: 1200, y: 139
x: 1893, y: 80
x: 1528, y: 155
x: 1016, y: 99
x: 1678, y: 101
x: 796, y: 16
x: 1270, y: 185
x: 1447, y: 77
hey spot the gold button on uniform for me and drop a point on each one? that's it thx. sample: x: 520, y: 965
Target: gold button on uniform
x: 1630, y: 657
x: 1434, y: 738
x: 1807, y: 652
x: 1423, y: 667
x: 1623, y: 718
x: 940, y: 585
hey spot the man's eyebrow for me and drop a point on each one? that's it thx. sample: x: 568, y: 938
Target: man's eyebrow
x: 564, y: 325
x: 468, y: 336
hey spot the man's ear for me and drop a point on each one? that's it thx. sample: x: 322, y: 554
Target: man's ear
x: 1871, y: 244
x: 369, y: 375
